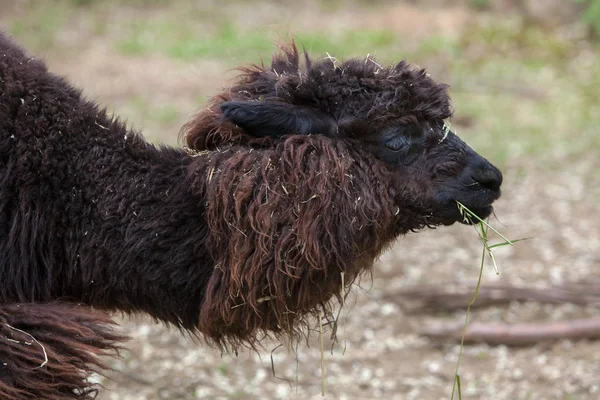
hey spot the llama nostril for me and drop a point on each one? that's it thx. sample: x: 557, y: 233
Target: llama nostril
x: 489, y: 177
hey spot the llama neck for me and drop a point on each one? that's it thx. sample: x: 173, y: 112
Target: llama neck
x: 143, y: 250
x: 91, y: 212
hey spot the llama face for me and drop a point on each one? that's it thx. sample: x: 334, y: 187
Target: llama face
x: 460, y: 174
x: 429, y: 169
x: 396, y: 114
x: 449, y: 170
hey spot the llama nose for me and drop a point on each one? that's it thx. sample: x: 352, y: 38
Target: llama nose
x: 487, y: 176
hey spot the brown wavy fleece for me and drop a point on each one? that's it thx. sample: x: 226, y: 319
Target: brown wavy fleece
x: 47, y: 350
x: 360, y: 94
x: 285, y: 224
x: 288, y: 216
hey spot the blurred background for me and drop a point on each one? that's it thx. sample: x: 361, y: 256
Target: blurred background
x: 525, y: 81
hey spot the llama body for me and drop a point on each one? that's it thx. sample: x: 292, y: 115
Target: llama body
x: 93, y: 214
x: 294, y: 180
x: 88, y: 211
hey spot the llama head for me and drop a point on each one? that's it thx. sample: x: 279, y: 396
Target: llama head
x: 396, y: 114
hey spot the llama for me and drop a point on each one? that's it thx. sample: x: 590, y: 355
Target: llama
x: 292, y: 182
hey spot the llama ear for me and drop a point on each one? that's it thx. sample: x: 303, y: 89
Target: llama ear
x: 269, y: 119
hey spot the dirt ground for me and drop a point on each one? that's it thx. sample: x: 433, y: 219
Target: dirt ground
x: 385, y: 356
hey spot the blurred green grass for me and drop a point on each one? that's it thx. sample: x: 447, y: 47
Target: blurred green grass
x: 40, y: 25
x: 527, y: 92
x: 168, y: 37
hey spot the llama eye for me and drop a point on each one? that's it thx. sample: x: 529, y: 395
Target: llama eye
x: 397, y: 143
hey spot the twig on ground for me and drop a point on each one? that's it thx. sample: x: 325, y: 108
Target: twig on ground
x: 440, y: 298
x: 521, y: 334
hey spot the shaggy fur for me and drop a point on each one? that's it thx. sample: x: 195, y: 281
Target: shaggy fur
x: 296, y: 178
x: 360, y: 96
x: 287, y: 222
x: 48, y: 350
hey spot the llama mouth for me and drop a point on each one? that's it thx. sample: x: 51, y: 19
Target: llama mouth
x: 454, y: 214
x: 482, y: 212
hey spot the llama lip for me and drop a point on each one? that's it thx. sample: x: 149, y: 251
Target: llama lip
x: 482, y: 212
